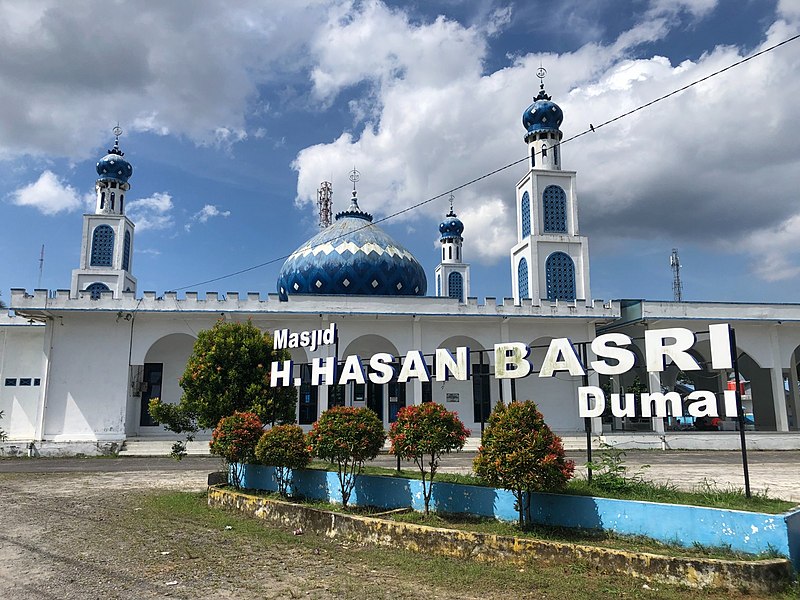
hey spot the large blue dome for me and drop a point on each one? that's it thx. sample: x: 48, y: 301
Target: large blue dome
x: 114, y: 166
x: 352, y: 256
x: 542, y: 115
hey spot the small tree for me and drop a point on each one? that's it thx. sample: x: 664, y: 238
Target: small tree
x: 234, y: 439
x: 348, y: 437
x: 228, y: 371
x: 284, y: 447
x: 426, y: 430
x: 520, y: 453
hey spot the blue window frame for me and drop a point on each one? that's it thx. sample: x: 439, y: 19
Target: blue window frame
x: 96, y: 289
x: 522, y: 277
x: 126, y: 251
x: 455, y: 286
x: 526, y: 215
x: 102, y: 246
x: 554, y: 200
x: 560, y: 277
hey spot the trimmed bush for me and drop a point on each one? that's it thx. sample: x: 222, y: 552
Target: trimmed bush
x: 284, y: 447
x: 426, y: 430
x: 521, y: 454
x: 348, y: 437
x: 235, y: 438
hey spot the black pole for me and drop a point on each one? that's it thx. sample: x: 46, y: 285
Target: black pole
x: 480, y: 392
x: 740, y: 413
x: 587, y: 422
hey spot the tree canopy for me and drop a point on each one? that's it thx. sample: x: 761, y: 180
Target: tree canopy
x: 228, y: 371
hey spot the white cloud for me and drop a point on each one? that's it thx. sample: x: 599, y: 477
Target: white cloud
x: 709, y: 165
x: 153, y: 213
x: 163, y: 67
x: 204, y: 214
x: 50, y: 195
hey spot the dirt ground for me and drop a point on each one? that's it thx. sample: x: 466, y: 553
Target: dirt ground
x: 95, y: 535
x: 102, y: 535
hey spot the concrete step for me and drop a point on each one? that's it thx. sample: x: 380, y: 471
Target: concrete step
x: 161, y: 447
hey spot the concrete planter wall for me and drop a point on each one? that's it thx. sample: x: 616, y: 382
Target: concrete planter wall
x: 749, y: 532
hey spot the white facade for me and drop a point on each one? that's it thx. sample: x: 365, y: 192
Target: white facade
x: 78, y: 366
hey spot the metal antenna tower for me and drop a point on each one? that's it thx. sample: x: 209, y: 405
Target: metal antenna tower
x: 677, y: 285
x: 325, y: 203
x: 41, y: 268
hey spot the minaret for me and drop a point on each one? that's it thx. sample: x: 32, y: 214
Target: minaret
x: 107, y: 243
x: 452, y: 274
x: 550, y: 261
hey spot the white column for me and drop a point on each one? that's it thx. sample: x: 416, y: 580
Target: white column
x: 654, y: 386
x: 416, y: 344
x: 776, y: 377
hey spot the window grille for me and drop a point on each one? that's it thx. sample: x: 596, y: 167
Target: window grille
x: 102, y: 246
x: 555, y: 209
x: 560, y: 277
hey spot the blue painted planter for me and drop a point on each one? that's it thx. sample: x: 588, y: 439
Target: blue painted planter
x: 671, y: 523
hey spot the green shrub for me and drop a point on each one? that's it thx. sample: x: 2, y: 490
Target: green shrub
x: 234, y: 439
x: 348, y: 437
x: 426, y: 430
x: 520, y: 453
x: 284, y: 447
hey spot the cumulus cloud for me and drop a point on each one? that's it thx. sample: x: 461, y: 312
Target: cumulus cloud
x: 51, y: 196
x: 709, y: 165
x: 204, y: 214
x: 153, y: 213
x: 64, y: 79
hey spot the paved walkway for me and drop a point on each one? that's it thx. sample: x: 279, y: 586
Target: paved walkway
x: 776, y: 472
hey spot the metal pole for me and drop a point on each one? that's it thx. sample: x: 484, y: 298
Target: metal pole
x: 740, y: 413
x: 480, y: 393
x: 587, y: 422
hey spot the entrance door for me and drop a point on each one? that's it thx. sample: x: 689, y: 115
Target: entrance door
x: 153, y: 373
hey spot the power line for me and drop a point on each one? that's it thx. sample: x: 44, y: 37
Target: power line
x: 592, y: 128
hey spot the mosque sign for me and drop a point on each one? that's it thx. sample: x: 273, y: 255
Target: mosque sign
x: 513, y: 361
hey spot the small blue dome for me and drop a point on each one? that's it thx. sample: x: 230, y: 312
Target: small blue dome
x: 352, y: 256
x: 113, y: 166
x: 451, y: 227
x: 542, y: 115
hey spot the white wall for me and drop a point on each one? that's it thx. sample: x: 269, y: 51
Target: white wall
x: 21, y: 357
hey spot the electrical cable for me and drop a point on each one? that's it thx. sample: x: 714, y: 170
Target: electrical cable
x: 592, y: 128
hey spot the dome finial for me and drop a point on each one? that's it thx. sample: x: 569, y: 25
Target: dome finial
x: 451, y: 213
x: 117, y: 131
x: 541, y: 73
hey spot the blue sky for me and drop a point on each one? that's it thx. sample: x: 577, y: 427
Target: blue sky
x: 234, y: 113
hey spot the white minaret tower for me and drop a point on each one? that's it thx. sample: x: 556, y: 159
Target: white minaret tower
x: 107, y: 243
x: 550, y: 261
x: 452, y: 274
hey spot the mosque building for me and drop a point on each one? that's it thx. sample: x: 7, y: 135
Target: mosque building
x: 79, y: 366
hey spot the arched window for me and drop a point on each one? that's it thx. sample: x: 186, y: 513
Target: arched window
x: 126, y: 251
x: 96, y: 289
x: 556, y: 153
x: 526, y: 215
x: 544, y: 150
x: 102, y: 200
x: 533, y: 157
x: 455, y: 286
x: 555, y: 209
x: 438, y: 285
x: 112, y: 200
x: 102, y: 246
x: 122, y: 198
x: 560, y: 277
x: 522, y: 277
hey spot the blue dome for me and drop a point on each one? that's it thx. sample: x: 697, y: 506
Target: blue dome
x: 113, y: 166
x: 451, y: 227
x: 352, y: 256
x: 542, y: 115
